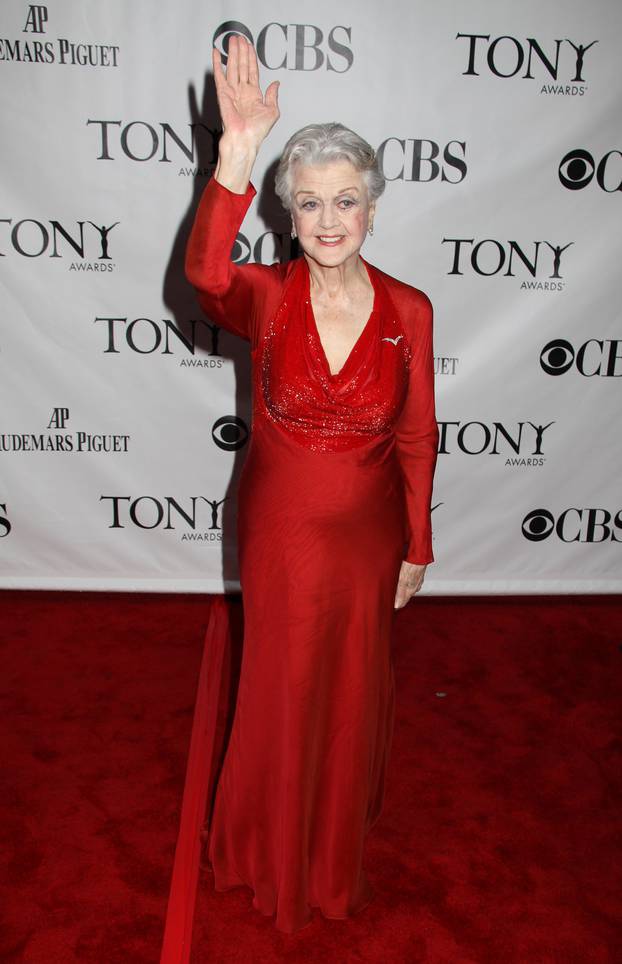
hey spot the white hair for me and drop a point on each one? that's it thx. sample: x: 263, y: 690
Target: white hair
x: 321, y: 144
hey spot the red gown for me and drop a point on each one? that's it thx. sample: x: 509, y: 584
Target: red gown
x: 334, y: 493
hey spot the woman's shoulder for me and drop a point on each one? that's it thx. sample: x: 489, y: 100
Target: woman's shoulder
x: 409, y: 301
x: 277, y: 277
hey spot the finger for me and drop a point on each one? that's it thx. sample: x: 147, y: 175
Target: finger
x: 219, y: 73
x: 243, y: 60
x: 253, y: 69
x: 271, y: 98
x: 232, y: 61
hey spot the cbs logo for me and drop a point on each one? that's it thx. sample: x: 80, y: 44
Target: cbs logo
x: 573, y: 525
x: 593, y: 357
x: 229, y: 433
x: 578, y: 168
x: 292, y: 46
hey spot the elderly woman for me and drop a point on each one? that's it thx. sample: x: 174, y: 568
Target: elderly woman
x: 334, y: 507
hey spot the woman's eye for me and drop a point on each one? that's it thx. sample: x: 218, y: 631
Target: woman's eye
x: 346, y: 202
x: 308, y: 206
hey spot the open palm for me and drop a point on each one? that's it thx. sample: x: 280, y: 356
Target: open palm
x: 246, y: 113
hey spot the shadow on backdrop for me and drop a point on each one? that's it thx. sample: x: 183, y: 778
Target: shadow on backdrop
x: 201, y: 335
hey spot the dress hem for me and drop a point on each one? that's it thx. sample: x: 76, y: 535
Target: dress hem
x: 271, y: 914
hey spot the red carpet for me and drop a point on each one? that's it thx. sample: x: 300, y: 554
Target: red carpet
x: 499, y: 842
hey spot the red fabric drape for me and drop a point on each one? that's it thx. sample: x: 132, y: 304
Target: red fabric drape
x: 202, y: 759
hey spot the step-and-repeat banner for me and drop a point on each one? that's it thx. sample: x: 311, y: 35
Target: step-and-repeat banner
x: 125, y: 412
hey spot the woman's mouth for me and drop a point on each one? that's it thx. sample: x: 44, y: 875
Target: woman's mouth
x: 330, y: 240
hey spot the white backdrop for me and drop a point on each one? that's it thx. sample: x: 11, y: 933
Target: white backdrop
x: 125, y: 415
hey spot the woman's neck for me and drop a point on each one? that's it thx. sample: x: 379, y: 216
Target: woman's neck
x: 332, y: 282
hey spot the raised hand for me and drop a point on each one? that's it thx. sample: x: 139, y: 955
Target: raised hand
x: 247, y: 114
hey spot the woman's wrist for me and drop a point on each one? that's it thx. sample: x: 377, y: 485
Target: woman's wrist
x: 235, y: 164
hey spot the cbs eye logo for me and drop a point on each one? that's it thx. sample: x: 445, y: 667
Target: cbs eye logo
x: 269, y: 248
x: 538, y: 525
x: 557, y: 357
x: 241, y: 250
x: 229, y: 433
x: 596, y: 356
x: 223, y: 33
x: 578, y: 168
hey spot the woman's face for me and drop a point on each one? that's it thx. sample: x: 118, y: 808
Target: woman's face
x: 330, y: 210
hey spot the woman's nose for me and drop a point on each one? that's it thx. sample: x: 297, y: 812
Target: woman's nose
x: 327, y: 217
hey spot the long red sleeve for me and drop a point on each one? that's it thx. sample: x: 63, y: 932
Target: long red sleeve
x: 229, y: 294
x: 416, y: 434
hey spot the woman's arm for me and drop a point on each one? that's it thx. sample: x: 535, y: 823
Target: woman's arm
x: 227, y: 292
x: 416, y: 439
x: 416, y: 435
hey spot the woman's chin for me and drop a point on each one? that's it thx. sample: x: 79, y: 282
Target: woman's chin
x: 330, y: 255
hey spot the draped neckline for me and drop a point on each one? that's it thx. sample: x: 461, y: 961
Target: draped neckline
x: 345, y: 369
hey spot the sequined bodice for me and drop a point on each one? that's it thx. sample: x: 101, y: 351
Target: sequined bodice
x: 324, y: 411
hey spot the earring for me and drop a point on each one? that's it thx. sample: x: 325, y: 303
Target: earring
x: 293, y: 232
x: 370, y: 229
